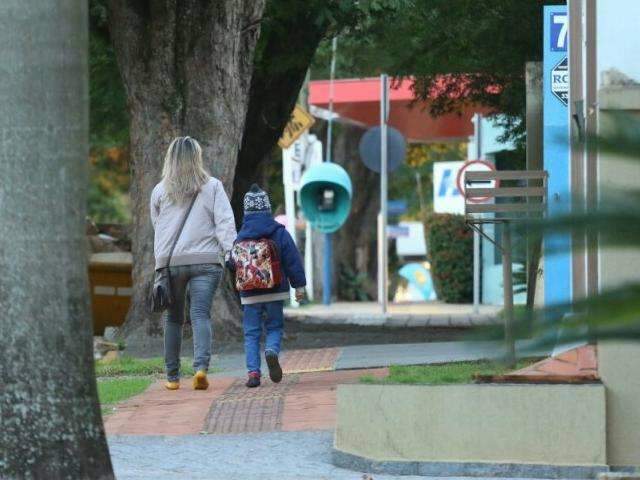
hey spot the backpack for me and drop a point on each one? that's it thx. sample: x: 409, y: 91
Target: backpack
x: 257, y: 264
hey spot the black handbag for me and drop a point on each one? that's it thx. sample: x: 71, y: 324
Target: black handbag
x: 161, y: 297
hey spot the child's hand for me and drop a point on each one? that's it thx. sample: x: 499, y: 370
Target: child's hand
x: 299, y: 294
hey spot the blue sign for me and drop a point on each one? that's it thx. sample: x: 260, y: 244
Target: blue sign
x: 446, y: 196
x: 448, y: 185
x: 397, y: 231
x: 557, y: 248
x: 558, y: 31
x: 396, y: 207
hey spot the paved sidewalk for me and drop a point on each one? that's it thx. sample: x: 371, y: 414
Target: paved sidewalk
x: 262, y: 456
x: 277, y: 431
x: 372, y: 356
x: 300, y: 402
x: 423, y: 314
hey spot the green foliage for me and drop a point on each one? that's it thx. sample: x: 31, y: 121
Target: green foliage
x: 481, y: 45
x: 136, y: 366
x: 613, y: 313
x: 352, y: 286
x: 450, y: 252
x: 108, y: 200
x: 115, y: 390
x: 443, y: 374
x: 413, y: 181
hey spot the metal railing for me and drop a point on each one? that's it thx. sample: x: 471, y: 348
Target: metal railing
x: 526, y: 200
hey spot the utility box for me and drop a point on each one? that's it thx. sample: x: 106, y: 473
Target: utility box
x: 111, y: 288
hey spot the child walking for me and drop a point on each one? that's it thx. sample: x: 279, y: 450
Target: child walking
x: 266, y: 261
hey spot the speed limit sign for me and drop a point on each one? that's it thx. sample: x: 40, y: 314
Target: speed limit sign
x: 476, y: 166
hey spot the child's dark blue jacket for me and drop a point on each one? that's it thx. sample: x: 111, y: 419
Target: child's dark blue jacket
x: 262, y: 225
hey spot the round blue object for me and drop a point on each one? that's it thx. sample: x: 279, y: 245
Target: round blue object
x: 325, y: 196
x: 370, y: 149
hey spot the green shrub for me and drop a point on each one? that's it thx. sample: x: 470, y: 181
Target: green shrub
x: 450, y: 252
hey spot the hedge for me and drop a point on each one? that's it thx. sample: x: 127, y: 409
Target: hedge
x: 450, y: 252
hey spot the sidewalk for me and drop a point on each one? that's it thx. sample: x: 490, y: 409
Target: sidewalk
x: 304, y: 400
x: 262, y: 456
x: 423, y: 314
x: 276, y: 431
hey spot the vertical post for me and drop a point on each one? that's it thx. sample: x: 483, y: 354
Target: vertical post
x: 382, y: 231
x: 477, y: 131
x: 289, y: 199
x: 476, y: 272
x: 507, y: 281
x: 327, y: 262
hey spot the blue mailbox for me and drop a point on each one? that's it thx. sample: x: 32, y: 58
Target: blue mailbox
x: 325, y: 196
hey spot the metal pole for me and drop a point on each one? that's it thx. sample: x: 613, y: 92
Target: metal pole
x: 477, y: 120
x: 289, y: 201
x: 507, y: 281
x: 382, y: 237
x: 327, y: 273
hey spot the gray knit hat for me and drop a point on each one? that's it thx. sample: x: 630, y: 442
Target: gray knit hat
x: 256, y: 200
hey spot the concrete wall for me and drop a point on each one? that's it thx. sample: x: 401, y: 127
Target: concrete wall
x: 541, y: 424
x: 619, y: 363
x: 619, y: 368
x: 618, y: 266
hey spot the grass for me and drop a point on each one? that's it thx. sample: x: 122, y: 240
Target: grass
x: 114, y: 390
x: 131, y: 366
x: 443, y: 374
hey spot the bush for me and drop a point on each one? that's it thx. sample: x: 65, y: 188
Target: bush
x: 450, y: 252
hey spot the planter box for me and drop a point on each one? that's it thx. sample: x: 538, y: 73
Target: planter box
x: 479, y: 430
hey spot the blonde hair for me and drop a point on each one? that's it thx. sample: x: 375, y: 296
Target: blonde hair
x: 183, y: 173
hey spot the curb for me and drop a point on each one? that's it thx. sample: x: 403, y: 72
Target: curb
x: 465, y: 469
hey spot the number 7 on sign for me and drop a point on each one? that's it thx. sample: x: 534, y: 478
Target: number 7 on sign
x: 559, y: 29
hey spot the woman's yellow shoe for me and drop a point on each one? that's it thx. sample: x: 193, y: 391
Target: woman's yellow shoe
x: 172, y: 385
x: 200, y: 381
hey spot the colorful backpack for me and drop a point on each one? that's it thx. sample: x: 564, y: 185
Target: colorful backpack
x: 257, y: 264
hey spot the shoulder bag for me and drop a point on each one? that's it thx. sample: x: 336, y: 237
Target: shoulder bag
x: 161, y: 297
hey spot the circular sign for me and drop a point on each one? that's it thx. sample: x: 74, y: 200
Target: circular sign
x: 370, y: 149
x: 476, y: 166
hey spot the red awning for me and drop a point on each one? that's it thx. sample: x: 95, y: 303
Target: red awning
x: 359, y: 100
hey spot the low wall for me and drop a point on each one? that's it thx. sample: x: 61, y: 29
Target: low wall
x: 500, y: 430
x: 619, y: 367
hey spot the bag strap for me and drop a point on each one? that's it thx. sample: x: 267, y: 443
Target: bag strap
x: 175, y: 240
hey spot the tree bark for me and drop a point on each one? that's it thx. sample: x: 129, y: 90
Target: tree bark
x: 355, y: 243
x: 186, y: 67
x: 51, y: 423
x: 290, y: 35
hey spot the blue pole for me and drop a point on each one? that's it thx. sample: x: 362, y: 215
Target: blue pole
x: 328, y: 247
x: 326, y: 269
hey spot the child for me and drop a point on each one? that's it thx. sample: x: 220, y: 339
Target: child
x: 266, y: 262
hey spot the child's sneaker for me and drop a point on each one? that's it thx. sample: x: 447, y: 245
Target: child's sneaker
x: 254, y: 380
x: 275, y: 371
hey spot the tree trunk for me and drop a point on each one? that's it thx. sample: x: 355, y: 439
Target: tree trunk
x: 355, y: 243
x: 186, y: 66
x: 289, y: 38
x: 51, y: 423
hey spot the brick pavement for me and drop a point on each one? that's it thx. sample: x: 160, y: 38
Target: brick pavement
x: 578, y: 365
x: 302, y: 401
x: 159, y: 411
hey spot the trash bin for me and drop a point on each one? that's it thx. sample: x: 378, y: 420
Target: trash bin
x: 110, y: 282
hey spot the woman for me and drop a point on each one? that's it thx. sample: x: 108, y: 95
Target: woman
x: 187, y: 190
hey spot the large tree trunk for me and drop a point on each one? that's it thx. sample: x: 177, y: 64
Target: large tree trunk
x: 355, y: 243
x: 51, y: 423
x: 186, y: 67
x: 290, y: 35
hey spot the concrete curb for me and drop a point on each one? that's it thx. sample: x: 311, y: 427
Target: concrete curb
x: 395, y: 320
x: 465, y: 469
